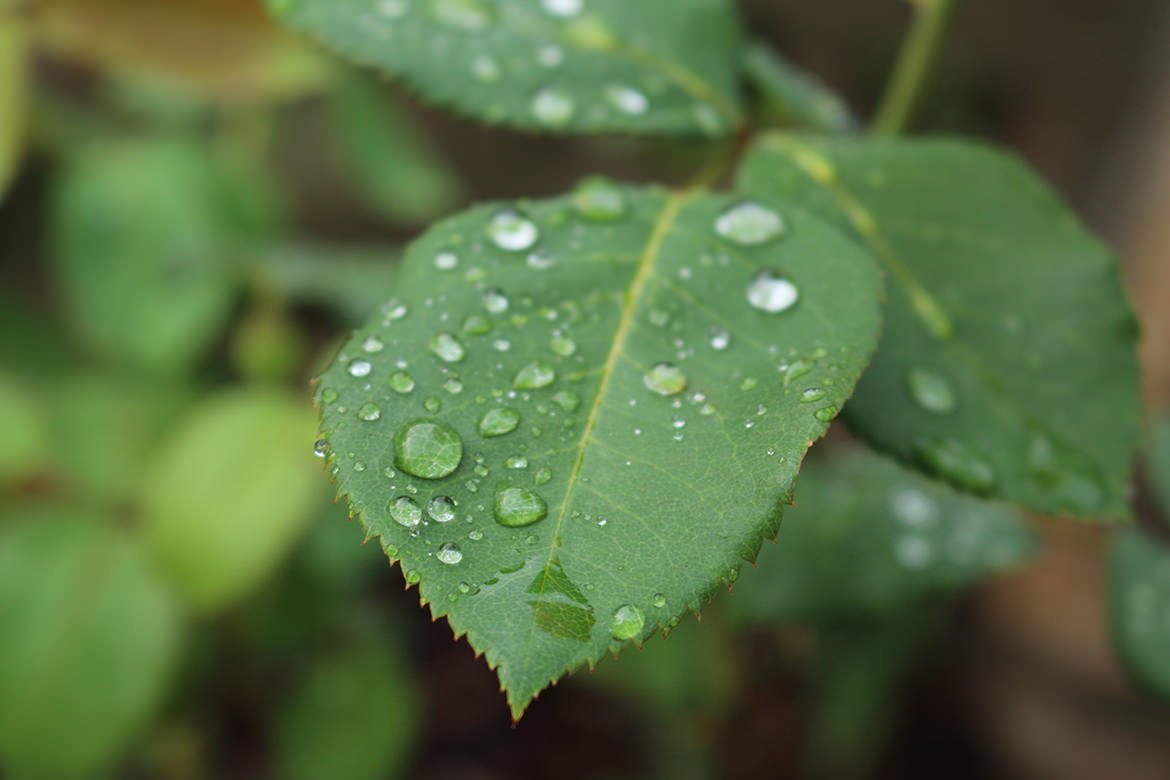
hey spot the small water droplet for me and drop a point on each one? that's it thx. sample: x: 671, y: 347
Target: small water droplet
x: 372, y: 344
x: 516, y: 462
x: 749, y: 224
x: 393, y: 9
x: 512, y: 231
x: 954, y: 460
x: 659, y: 600
x: 427, y: 449
x: 321, y: 448
x: 401, y: 382
x: 516, y: 506
x: 563, y: 9
x: 495, y: 301
x: 812, y: 395
x: 359, y: 368
x: 658, y: 318
x: 369, y: 412
x: 453, y: 386
x: 447, y: 347
x: 432, y: 404
x: 627, y: 99
x: 449, y: 553
x: 475, y: 535
x: 445, y: 261
x: 405, y: 511
x: 542, y: 475
x: 498, y: 421
x: 563, y: 345
x: 749, y: 383
x: 552, y: 107
x: 441, y: 509
x: 567, y: 400
x: 627, y: 622
x: 719, y: 338
x: 534, y: 375
x: 931, y: 391
x: 329, y: 395
x: 797, y: 369
x: 665, y: 379
x: 464, y: 14
x: 598, y: 199
x: 772, y: 292
x: 826, y: 413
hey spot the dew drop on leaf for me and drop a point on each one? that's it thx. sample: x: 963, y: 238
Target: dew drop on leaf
x: 826, y: 413
x: 427, y: 449
x: 449, y: 553
x: 495, y: 301
x: 373, y: 345
x: 563, y: 345
x: 441, y: 509
x: 665, y: 379
x: 564, y: 9
x: 432, y: 404
x: 512, y: 231
x: 369, y: 412
x: 598, y: 200
x: 749, y: 224
x: 405, y: 511
x: 567, y: 400
x: 551, y: 107
x: 485, y: 68
x: 516, y: 506
x: 931, y: 391
x: 464, y: 14
x: 329, y: 395
x: 445, y: 261
x: 534, y: 375
x: 359, y: 368
x: 516, y: 462
x: 321, y: 448
x: 772, y: 292
x: 476, y: 325
x: 498, y: 421
x: 627, y: 99
x: 659, y: 600
x: 393, y: 9
x: 719, y: 338
x: 542, y: 475
x: 627, y: 622
x: 812, y: 395
x: 447, y: 347
x: 956, y: 461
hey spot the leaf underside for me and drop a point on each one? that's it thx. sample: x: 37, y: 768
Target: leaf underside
x: 597, y: 66
x: 1139, y: 589
x: 652, y: 500
x: 1007, y: 364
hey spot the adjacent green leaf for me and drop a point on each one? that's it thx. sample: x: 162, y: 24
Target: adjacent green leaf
x: 1139, y: 590
x: 1159, y: 464
x: 555, y: 65
x: 394, y: 166
x: 145, y: 261
x: 352, y: 281
x: 229, y: 494
x: 355, y: 716
x: 1008, y: 364
x: 25, y: 445
x: 580, y: 415
x: 88, y: 643
x: 871, y: 538
x: 13, y: 88
x: 787, y: 95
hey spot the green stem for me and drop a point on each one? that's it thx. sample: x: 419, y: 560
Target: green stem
x: 915, y: 60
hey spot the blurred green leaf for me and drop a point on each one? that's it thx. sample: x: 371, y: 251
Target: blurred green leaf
x: 395, y: 168
x: 789, y: 96
x: 1008, y: 365
x: 1139, y: 592
x: 24, y: 419
x: 229, y: 494
x: 352, y: 281
x: 554, y: 65
x: 502, y: 380
x: 1159, y: 463
x: 88, y: 641
x: 145, y: 251
x: 356, y: 716
x: 13, y: 94
x: 267, y: 346
x: 872, y: 537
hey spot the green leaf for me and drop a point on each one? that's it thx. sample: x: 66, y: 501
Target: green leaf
x: 25, y: 447
x: 145, y: 261
x: 355, y: 716
x: 1139, y: 590
x: 871, y: 537
x: 1159, y: 464
x: 88, y: 644
x: 14, y: 67
x: 555, y: 65
x: 787, y: 95
x: 229, y: 494
x: 352, y: 281
x: 1008, y: 364
x: 395, y: 168
x: 616, y: 424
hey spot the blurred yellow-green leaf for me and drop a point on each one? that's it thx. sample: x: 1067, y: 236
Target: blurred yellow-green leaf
x: 13, y: 88
x: 230, y: 493
x: 88, y: 641
x: 24, y: 445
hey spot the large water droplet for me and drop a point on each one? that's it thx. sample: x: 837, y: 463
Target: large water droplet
x: 931, y: 391
x: 599, y: 200
x: 772, y: 292
x: 665, y: 379
x: 441, y: 509
x: 749, y: 224
x: 512, y: 231
x: 564, y: 9
x: 447, y: 347
x: 498, y: 421
x: 627, y: 99
x: 427, y: 449
x: 405, y: 511
x: 954, y: 460
x: 627, y: 622
x: 552, y: 107
x: 449, y: 553
x: 535, y: 375
x: 359, y: 368
x: 369, y: 412
x: 516, y: 506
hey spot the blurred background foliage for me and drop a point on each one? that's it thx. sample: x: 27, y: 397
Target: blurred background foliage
x: 197, y: 207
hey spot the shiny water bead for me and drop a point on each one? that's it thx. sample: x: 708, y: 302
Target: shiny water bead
x: 512, y: 231
x: 627, y: 622
x: 369, y: 412
x: 447, y: 347
x: 405, y: 511
x: 749, y: 224
x: 449, y: 553
x: 516, y: 506
x: 552, y: 107
x: 359, y: 368
x: 597, y: 199
x: 627, y: 99
x: 428, y: 449
x: 665, y: 379
x: 772, y: 292
x: 498, y: 421
x: 441, y: 509
x: 534, y: 375
x: 931, y: 391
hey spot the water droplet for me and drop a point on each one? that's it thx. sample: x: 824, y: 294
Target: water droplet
x: 372, y: 344
x: 359, y: 368
x: 369, y: 412
x: 563, y: 345
x: 658, y: 318
x: 749, y: 383
x: 567, y: 400
x: 329, y: 395
x: 453, y: 386
x: 427, y: 449
x: 476, y: 325
x: 516, y: 506
x: 465, y: 14
x: 393, y: 9
x: 954, y: 460
x: 441, y: 509
x: 627, y: 99
x: 552, y: 107
x: 449, y: 553
x: 749, y: 224
x: 598, y: 199
x: 516, y: 462
x: 534, y: 375
x: 627, y: 622
x: 540, y: 262
x: 394, y: 310
x: 772, y: 292
x: 512, y: 231
x: 405, y: 511
x: 913, y: 507
x: 432, y: 404
x: 321, y: 448
x: 719, y: 338
x: 931, y: 391
x: 542, y: 475
x: 812, y: 395
x: 564, y: 9
x: 659, y: 600
x: 665, y: 379
x: 498, y: 421
x: 797, y: 369
x: 826, y: 413
x: 485, y: 68
x: 445, y: 261
x: 447, y: 347
x: 495, y: 301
